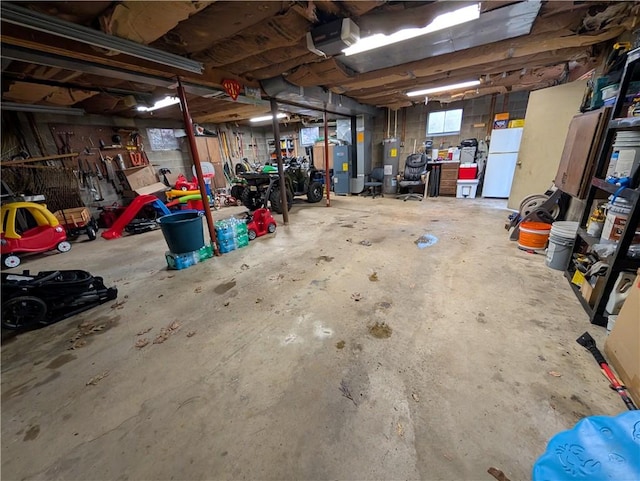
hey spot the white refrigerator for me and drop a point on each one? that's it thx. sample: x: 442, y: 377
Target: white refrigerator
x: 501, y: 162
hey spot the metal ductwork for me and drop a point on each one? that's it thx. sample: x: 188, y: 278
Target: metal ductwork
x: 315, y: 98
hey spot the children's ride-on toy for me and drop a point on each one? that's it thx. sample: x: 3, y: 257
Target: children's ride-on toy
x: 259, y: 223
x: 183, y: 184
x: 29, y: 227
x: 30, y: 300
x: 77, y: 221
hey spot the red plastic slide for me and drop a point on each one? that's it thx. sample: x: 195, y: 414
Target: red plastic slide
x: 127, y: 216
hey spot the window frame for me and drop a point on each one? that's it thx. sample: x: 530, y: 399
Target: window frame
x: 443, y: 132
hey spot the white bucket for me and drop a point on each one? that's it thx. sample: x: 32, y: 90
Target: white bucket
x: 561, y: 241
x: 625, y: 155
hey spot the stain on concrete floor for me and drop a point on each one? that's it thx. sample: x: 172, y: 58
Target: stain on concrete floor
x: 224, y: 287
x: 380, y: 330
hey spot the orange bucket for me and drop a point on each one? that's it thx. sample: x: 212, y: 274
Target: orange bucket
x: 534, y: 235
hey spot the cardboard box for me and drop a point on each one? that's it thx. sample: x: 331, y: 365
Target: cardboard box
x: 137, y: 177
x: 140, y: 181
x: 622, y: 346
x: 592, y: 288
x: 501, y: 121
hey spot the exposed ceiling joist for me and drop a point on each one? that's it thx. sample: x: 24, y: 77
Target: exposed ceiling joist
x: 137, y: 22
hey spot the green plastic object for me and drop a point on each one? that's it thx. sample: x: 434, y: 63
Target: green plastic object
x: 269, y: 169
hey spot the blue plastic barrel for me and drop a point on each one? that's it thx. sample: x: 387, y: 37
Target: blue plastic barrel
x: 183, y: 231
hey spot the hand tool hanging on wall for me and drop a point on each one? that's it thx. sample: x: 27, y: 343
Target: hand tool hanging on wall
x: 65, y: 149
x: 112, y: 174
x: 590, y: 344
x: 98, y: 171
x: 94, y: 187
x: 136, y: 158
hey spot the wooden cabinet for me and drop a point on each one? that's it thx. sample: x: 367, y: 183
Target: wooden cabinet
x: 449, y: 178
x: 209, y: 151
x: 580, y: 150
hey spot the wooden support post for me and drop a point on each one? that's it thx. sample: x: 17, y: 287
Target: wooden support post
x: 283, y: 187
x: 188, y: 126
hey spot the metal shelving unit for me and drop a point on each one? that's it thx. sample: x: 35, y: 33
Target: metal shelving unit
x: 619, y: 261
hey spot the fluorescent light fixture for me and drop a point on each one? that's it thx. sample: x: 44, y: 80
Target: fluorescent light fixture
x: 160, y: 104
x: 41, y: 109
x: 23, y: 17
x: 267, y: 117
x: 445, y: 20
x: 462, y: 85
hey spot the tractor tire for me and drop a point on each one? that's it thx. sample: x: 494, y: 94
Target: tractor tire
x: 276, y: 201
x: 315, y: 192
x: 236, y: 191
x: 251, y: 200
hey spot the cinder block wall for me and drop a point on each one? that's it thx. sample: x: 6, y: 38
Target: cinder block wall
x: 413, y: 130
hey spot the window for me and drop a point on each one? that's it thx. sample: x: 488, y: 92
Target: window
x: 445, y: 122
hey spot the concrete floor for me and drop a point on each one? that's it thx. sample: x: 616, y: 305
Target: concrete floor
x: 272, y: 344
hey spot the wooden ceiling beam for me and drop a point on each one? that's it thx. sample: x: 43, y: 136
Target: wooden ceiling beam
x: 215, y: 23
x: 47, y: 94
x: 284, y: 30
x: 560, y: 25
x: 491, y: 68
x: 281, y: 68
x: 495, y: 52
x: 82, y: 12
x: 269, y: 58
x: 145, y: 22
x: 237, y: 114
x: 13, y: 35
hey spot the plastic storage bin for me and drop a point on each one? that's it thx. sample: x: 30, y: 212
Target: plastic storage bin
x: 466, y: 189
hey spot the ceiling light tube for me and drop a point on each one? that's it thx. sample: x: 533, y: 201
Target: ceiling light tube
x: 445, y: 20
x: 267, y: 117
x: 462, y: 85
x: 41, y: 109
x: 24, y: 17
x: 160, y: 104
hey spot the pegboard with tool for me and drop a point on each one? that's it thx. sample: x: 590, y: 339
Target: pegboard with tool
x: 102, y: 152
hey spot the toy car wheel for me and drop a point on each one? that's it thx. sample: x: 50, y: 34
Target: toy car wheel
x: 271, y: 228
x: 11, y: 261
x: 252, y: 234
x: 23, y: 311
x: 91, y: 233
x: 184, y: 188
x: 315, y: 193
x: 64, y: 246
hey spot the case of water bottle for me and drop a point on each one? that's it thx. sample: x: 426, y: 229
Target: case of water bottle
x: 232, y: 234
x: 188, y: 259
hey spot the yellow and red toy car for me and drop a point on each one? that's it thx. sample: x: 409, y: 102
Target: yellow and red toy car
x: 29, y: 227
